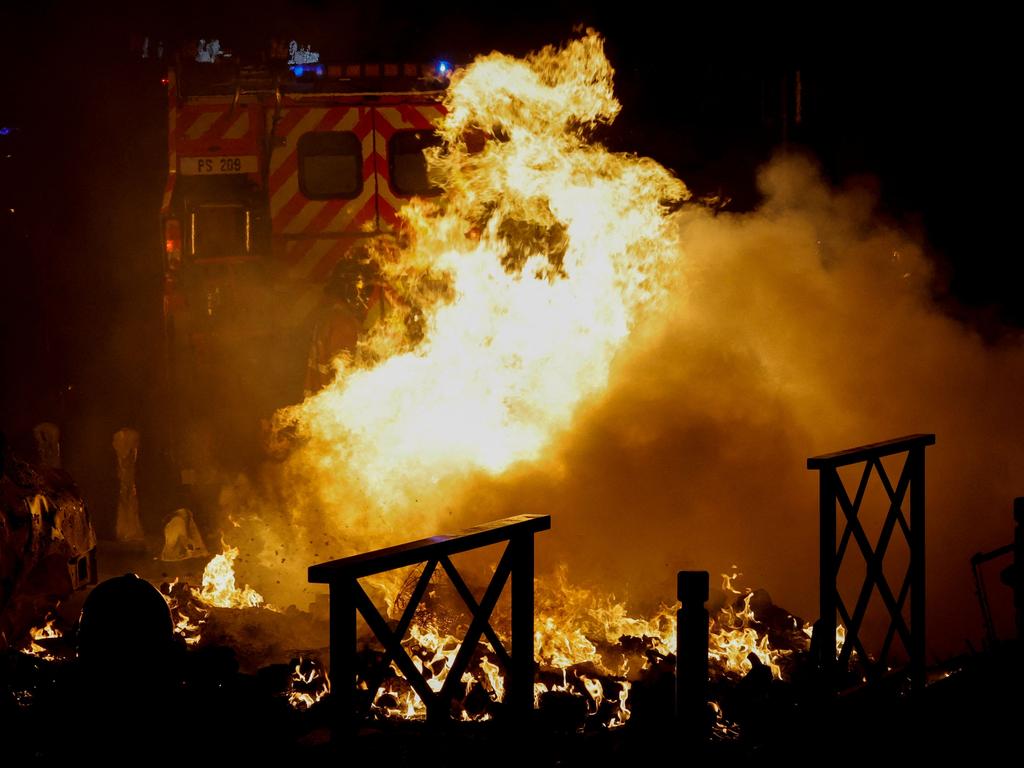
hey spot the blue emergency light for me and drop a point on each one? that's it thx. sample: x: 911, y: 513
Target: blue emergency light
x: 4, y: 130
x: 444, y: 68
x: 299, y: 70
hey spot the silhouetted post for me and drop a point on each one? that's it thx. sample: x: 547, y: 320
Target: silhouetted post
x: 1017, y: 569
x: 825, y: 626
x: 343, y: 655
x: 916, y: 649
x: 521, y: 676
x: 692, y: 658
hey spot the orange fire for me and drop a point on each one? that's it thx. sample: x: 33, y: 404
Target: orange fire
x: 734, y: 640
x: 529, y: 278
x: 307, y: 684
x: 219, y: 589
x: 577, y: 630
x: 523, y: 284
x: 526, y: 281
x: 190, y: 606
x: 188, y: 617
x: 48, y: 630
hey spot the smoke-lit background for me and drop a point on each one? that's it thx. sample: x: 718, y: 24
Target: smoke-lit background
x: 908, y: 119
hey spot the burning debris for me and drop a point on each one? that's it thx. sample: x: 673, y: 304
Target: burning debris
x: 190, y: 607
x: 38, y: 637
x: 308, y: 683
x: 590, y: 653
x: 187, y: 611
x: 47, y: 542
x: 219, y: 588
x: 219, y: 613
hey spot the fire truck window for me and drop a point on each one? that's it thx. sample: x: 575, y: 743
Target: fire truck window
x: 409, y: 165
x: 219, y: 231
x: 330, y: 165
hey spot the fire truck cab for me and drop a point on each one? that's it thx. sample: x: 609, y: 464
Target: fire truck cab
x: 275, y: 171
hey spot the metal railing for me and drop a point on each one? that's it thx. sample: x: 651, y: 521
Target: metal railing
x: 833, y: 498
x: 1012, y: 576
x: 347, y: 598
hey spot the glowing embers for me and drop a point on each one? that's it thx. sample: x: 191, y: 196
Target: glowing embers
x: 738, y: 641
x: 592, y: 655
x: 188, y: 613
x: 580, y: 700
x: 38, y: 644
x: 308, y: 682
x: 433, y: 646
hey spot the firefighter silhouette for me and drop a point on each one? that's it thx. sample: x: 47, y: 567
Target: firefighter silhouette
x: 355, y: 300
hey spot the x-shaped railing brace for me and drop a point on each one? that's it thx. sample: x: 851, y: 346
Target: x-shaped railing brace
x: 833, y: 492
x: 348, y: 597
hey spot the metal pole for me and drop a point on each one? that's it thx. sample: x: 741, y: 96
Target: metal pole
x: 343, y: 655
x: 917, y: 569
x: 692, y: 658
x: 521, y: 677
x: 1017, y: 569
x: 827, y: 574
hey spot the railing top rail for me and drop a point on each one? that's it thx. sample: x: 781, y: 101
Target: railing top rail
x: 378, y: 561
x: 865, y: 452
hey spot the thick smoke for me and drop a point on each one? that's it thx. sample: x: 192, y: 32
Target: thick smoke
x: 801, y: 328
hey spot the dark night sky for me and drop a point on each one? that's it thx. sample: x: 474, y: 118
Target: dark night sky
x: 920, y: 103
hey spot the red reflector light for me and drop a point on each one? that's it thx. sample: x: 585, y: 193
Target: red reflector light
x: 165, y: 80
x: 172, y: 236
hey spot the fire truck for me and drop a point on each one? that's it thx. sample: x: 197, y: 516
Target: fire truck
x: 275, y: 172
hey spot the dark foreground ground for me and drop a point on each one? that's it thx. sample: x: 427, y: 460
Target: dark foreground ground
x: 975, y: 717
x: 196, y: 707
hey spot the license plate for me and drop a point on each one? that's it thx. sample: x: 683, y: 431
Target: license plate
x: 211, y: 166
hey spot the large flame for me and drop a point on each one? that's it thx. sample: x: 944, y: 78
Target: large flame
x: 517, y: 292
x: 524, y: 283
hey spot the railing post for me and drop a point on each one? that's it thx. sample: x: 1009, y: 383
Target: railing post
x: 343, y: 655
x: 692, y: 630
x: 1017, y: 568
x: 825, y: 627
x: 917, y: 578
x: 521, y: 676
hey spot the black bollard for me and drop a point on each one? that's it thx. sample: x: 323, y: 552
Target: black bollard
x: 692, y: 659
x: 1017, y: 569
